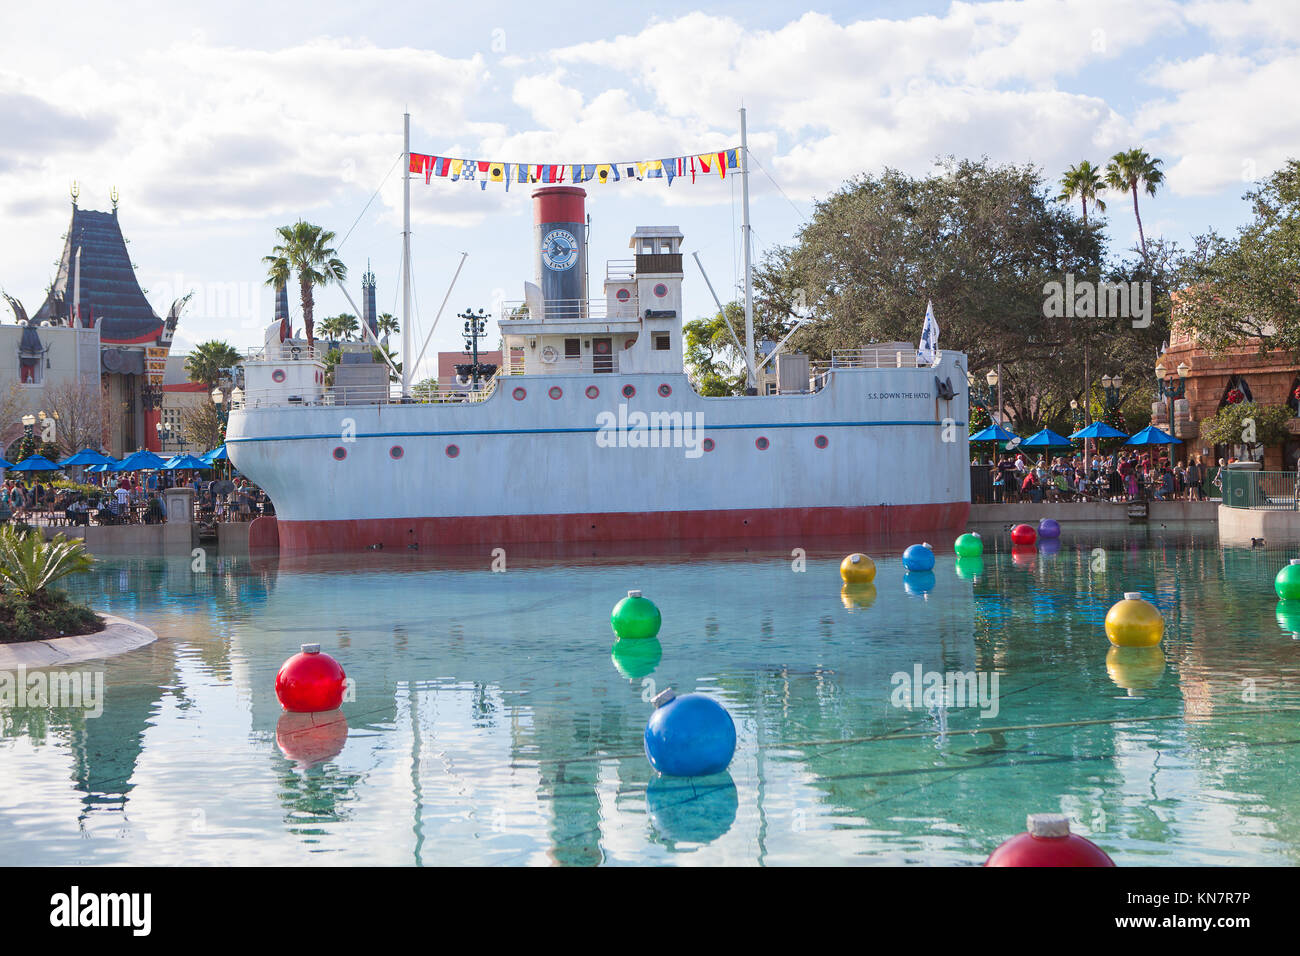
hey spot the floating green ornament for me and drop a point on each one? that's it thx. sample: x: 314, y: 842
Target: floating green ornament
x: 969, y: 545
x: 1287, y: 582
x: 635, y: 617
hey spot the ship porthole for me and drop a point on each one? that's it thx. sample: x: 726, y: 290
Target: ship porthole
x: 708, y: 444
x: 629, y: 391
x: 340, y: 453
x: 593, y: 391
x: 665, y: 390
x: 660, y: 290
x: 396, y: 452
x: 277, y: 376
x: 555, y: 391
x: 519, y: 394
x: 452, y: 451
x: 821, y: 441
x: 761, y: 444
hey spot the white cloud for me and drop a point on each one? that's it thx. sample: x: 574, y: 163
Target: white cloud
x: 1228, y: 120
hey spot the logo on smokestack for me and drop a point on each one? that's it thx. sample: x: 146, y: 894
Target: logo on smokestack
x: 559, y: 250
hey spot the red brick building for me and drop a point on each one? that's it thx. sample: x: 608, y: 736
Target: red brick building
x: 1242, y: 373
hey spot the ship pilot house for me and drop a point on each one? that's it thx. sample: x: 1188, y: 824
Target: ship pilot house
x: 557, y: 329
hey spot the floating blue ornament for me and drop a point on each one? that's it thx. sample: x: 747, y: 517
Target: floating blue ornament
x: 689, y: 736
x: 919, y: 557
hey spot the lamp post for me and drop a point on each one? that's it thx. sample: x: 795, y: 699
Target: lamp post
x: 473, y: 330
x: 994, y: 378
x: 1171, y: 387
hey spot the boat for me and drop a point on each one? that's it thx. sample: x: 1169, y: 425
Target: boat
x: 591, y: 431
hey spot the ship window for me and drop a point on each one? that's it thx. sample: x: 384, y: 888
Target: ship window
x: 572, y: 348
x: 666, y: 246
x: 662, y: 343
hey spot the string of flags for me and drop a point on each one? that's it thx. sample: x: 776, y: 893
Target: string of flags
x: 488, y: 171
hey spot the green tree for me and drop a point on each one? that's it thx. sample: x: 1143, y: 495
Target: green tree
x: 425, y: 390
x: 1129, y: 171
x: 305, y: 248
x: 205, y: 362
x: 979, y: 240
x: 388, y: 325
x: 1248, y: 423
x: 712, y: 356
x: 1244, y: 288
x: 1084, y: 182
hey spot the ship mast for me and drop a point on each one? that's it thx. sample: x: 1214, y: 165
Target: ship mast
x: 749, y: 278
x: 406, y: 255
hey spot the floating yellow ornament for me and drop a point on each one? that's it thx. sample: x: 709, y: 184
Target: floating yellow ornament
x: 858, y: 569
x: 1134, y: 622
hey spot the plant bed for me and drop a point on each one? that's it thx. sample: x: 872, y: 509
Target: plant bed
x: 45, y: 615
x: 29, y: 609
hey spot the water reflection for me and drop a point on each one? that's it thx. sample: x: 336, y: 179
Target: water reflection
x: 489, y: 724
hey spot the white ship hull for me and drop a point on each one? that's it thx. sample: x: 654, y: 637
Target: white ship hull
x: 874, y: 451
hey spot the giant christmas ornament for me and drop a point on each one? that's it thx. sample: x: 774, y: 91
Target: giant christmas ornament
x: 635, y: 617
x: 689, y: 736
x: 1134, y: 622
x: 1287, y: 582
x: 858, y: 569
x: 310, y: 682
x: 1048, y: 842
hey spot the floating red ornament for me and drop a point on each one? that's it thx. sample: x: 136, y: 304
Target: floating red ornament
x: 1023, y: 534
x: 1049, y: 842
x: 310, y: 682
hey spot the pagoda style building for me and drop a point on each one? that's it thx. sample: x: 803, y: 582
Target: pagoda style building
x: 95, y: 291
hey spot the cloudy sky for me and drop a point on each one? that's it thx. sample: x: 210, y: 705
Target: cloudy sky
x: 217, y: 122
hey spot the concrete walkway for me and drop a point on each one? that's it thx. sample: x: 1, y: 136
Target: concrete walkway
x: 1068, y: 512
x: 118, y: 636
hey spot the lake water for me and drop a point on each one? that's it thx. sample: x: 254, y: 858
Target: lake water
x: 490, y: 722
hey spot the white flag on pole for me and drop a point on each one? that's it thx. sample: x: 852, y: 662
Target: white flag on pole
x: 928, y: 352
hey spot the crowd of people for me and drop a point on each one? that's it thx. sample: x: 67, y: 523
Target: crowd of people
x: 132, y: 498
x: 1117, y: 477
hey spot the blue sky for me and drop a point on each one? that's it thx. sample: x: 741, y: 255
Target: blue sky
x: 217, y: 124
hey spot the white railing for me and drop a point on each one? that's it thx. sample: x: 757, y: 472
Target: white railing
x: 286, y: 352
x: 572, y: 310
x: 874, y: 358
x: 586, y: 365
x: 282, y: 395
x: 620, y: 270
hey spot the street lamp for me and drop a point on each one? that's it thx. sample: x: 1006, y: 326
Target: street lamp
x: 1171, y: 387
x: 994, y: 378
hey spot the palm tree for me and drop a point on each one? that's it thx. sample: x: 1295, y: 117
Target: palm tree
x: 347, y: 325
x: 207, y: 360
x: 305, y: 248
x: 1127, y: 171
x: 1083, y: 180
x: 387, y: 324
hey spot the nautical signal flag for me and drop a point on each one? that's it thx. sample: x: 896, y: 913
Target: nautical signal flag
x: 491, y: 171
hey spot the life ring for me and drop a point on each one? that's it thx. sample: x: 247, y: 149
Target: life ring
x: 550, y: 354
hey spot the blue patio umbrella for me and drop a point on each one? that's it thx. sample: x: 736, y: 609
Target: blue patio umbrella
x: 36, y: 463
x: 140, y: 461
x: 1099, y: 430
x: 994, y: 432
x: 87, y: 456
x: 106, y: 466
x: 1153, y: 436
x: 6, y: 464
x: 217, y: 454
x: 1046, y: 439
x: 185, y: 461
